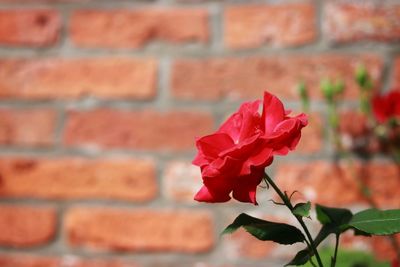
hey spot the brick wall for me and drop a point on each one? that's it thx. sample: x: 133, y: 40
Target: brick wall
x: 100, y: 102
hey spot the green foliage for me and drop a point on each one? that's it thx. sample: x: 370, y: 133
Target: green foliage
x: 267, y: 231
x: 333, y: 220
x: 349, y: 258
x: 331, y: 90
x: 327, y: 89
x: 302, y: 209
x: 335, y: 216
x: 362, y: 78
x: 301, y: 258
x: 377, y: 222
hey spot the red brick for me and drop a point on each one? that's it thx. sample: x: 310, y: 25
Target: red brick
x: 18, y: 260
x: 355, y: 134
x: 353, y: 124
x: 320, y: 182
x: 145, y: 130
x: 181, y: 181
x: 220, y: 78
x: 43, y: 1
x: 27, y: 127
x: 312, y: 136
x: 139, y: 230
x: 247, y: 26
x: 242, y: 245
x: 396, y: 73
x: 29, y: 27
x: 25, y: 260
x: 124, y: 179
x: 26, y: 226
x: 384, y: 181
x: 111, y: 78
x: 136, y: 28
x: 382, y: 246
x: 330, y: 184
x: 346, y: 22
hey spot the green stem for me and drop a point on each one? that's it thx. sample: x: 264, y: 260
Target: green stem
x: 333, y: 263
x: 289, y: 205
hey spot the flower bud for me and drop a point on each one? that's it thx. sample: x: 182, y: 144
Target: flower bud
x: 362, y: 77
x: 338, y: 87
x: 328, y: 89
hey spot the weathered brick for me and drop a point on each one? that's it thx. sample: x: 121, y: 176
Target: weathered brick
x: 242, y: 245
x: 124, y: 179
x: 48, y: 78
x: 25, y: 260
x: 145, y: 130
x: 247, y: 26
x: 312, y: 139
x: 43, y: 1
x: 139, y: 230
x: 181, y: 181
x: 27, y: 127
x: 355, y: 134
x: 347, y: 22
x: 384, y: 181
x: 19, y: 260
x: 29, y: 27
x: 353, y: 123
x: 312, y: 180
x: 396, y: 73
x: 26, y: 226
x: 136, y: 28
x: 220, y: 78
x: 382, y: 247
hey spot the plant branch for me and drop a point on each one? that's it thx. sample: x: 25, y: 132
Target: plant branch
x: 333, y: 262
x: 289, y: 205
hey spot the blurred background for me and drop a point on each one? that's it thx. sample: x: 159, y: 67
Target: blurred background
x: 100, y: 102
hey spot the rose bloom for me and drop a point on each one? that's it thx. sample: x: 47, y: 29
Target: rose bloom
x: 386, y: 106
x: 395, y: 263
x: 233, y: 159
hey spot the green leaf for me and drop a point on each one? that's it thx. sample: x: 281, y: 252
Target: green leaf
x: 265, y: 230
x: 333, y: 220
x: 360, y: 233
x: 325, y: 231
x: 302, y: 209
x: 334, y: 216
x: 301, y: 258
x: 377, y: 222
x: 321, y: 215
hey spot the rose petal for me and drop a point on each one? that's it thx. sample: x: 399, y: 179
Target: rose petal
x: 261, y: 159
x: 205, y: 195
x: 212, y: 145
x: 273, y: 112
x: 243, y: 123
x: 251, y: 120
x: 232, y: 126
x: 246, y: 188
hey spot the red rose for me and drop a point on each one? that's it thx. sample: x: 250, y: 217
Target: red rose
x: 395, y: 263
x: 386, y: 106
x: 233, y: 159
